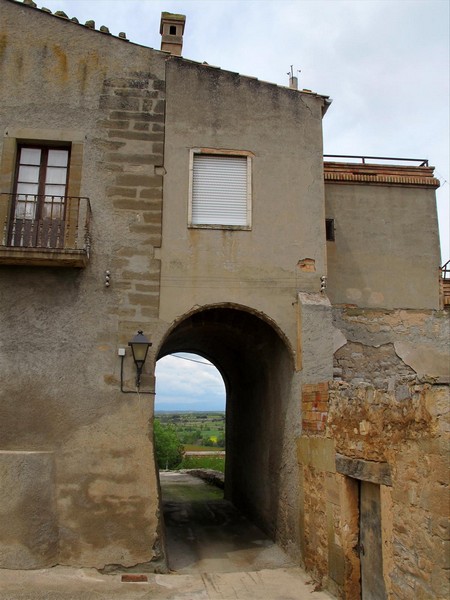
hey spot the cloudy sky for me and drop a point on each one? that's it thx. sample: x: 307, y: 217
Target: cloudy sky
x: 385, y: 64
x: 188, y: 382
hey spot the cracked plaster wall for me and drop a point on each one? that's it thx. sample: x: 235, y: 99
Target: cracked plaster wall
x: 383, y: 413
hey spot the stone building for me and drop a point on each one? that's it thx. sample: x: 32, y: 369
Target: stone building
x: 143, y: 191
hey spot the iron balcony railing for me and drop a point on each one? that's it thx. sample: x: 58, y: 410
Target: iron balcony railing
x: 46, y: 222
x: 445, y: 283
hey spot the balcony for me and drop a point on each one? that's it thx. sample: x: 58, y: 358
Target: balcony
x: 49, y: 231
x: 445, y: 283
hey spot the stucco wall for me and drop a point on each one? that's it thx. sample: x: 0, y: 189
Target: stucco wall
x: 60, y: 327
x: 210, y: 108
x: 386, y: 251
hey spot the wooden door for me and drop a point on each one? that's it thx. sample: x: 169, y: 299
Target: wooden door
x: 371, y: 552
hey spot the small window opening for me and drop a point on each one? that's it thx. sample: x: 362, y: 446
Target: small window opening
x: 173, y: 30
x: 329, y: 229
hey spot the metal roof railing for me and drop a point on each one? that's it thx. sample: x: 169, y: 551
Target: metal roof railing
x: 423, y: 162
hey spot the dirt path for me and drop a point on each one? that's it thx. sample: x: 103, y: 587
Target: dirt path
x: 205, y: 533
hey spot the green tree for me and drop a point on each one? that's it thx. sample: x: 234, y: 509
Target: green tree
x: 168, y: 447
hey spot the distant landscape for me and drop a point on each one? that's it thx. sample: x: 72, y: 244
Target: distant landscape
x: 179, y: 432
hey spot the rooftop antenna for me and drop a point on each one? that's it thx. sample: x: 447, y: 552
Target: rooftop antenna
x: 293, y: 81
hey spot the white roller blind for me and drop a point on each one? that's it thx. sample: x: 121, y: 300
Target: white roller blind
x: 219, y: 190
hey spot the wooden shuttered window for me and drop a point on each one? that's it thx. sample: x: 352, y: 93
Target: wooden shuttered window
x: 220, y: 191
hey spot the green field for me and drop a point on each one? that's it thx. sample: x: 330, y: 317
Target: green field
x: 179, y: 432
x: 197, y: 430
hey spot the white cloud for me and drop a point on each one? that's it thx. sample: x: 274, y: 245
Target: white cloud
x: 181, y: 381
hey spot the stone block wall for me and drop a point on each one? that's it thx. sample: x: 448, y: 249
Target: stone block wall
x: 133, y: 135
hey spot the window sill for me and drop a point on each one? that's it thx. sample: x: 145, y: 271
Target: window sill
x: 43, y: 257
x: 229, y: 227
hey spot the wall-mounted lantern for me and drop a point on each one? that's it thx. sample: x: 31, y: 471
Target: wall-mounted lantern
x: 139, y: 347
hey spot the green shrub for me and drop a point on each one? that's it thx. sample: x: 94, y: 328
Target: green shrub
x: 168, y: 447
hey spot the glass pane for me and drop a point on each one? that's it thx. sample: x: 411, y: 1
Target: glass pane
x: 27, y: 188
x: 58, y: 158
x: 30, y: 156
x: 55, y: 190
x: 53, y: 210
x: 25, y: 210
x: 56, y: 175
x: 28, y: 174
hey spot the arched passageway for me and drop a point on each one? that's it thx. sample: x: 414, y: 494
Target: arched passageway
x: 256, y: 364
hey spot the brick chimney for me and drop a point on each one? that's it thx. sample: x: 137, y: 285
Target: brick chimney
x: 171, y: 30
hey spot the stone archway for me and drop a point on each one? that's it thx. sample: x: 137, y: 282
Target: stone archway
x: 263, y: 420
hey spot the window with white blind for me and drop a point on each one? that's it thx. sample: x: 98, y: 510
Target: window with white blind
x: 220, y: 190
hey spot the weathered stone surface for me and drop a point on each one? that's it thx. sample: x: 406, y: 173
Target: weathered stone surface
x: 391, y: 428
x: 315, y: 338
x: 317, y: 452
x: 315, y: 523
x: 378, y: 366
x: 372, y: 327
x: 364, y: 470
x: 339, y: 339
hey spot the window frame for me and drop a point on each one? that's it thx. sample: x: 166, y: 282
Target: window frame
x: 222, y: 153
x: 330, y: 231
x: 45, y: 147
x: 15, y: 137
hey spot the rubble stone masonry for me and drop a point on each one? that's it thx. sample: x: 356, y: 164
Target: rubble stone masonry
x: 387, y: 423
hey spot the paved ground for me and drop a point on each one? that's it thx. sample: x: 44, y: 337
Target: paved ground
x: 63, y: 583
x: 217, y: 554
x: 205, y: 533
